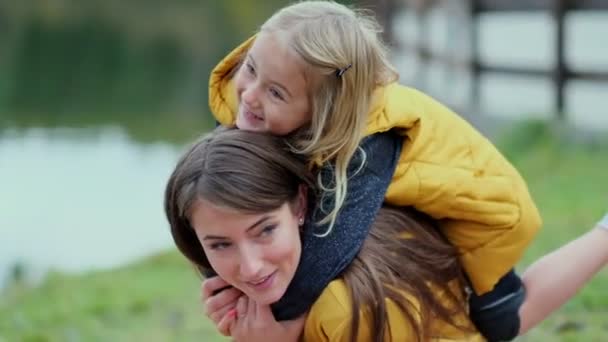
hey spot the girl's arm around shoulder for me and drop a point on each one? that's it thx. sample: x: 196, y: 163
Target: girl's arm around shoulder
x: 324, y: 257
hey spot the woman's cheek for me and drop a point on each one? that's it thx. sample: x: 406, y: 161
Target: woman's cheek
x: 287, y: 253
x: 221, y: 265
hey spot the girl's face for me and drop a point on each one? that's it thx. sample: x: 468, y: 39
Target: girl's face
x: 272, y: 88
x: 256, y: 253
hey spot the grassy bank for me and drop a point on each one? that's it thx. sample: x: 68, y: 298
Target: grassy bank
x: 568, y: 181
x: 153, y: 300
x: 157, y: 299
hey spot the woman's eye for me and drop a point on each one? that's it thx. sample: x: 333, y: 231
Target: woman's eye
x: 218, y: 246
x: 268, y: 230
x: 275, y: 93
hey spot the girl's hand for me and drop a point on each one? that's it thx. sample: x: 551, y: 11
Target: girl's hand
x: 219, y: 304
x: 253, y: 322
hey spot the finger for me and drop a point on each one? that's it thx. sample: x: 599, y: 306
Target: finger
x: 225, y: 324
x: 221, y: 300
x: 217, y: 316
x: 252, y: 319
x: 233, y: 327
x: 263, y: 313
x: 252, y: 309
x: 241, y: 307
x: 237, y: 325
x: 212, y: 285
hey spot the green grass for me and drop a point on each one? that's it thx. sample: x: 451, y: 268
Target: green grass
x: 569, y: 182
x: 158, y: 299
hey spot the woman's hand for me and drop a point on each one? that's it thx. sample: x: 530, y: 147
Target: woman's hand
x: 220, y: 307
x: 253, y: 322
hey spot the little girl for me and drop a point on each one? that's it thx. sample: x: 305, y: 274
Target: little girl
x: 318, y: 73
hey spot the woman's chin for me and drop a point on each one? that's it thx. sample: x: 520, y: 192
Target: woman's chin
x: 268, y: 298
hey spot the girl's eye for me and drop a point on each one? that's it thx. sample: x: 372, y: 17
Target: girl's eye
x: 267, y: 231
x: 250, y: 68
x: 275, y: 93
x: 218, y: 246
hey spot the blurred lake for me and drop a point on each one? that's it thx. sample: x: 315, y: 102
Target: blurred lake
x: 80, y: 199
x: 89, y: 136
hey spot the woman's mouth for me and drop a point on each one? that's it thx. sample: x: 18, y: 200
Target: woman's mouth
x: 263, y: 283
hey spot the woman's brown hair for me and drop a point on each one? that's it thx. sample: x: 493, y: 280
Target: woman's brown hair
x: 246, y: 171
x: 405, y: 257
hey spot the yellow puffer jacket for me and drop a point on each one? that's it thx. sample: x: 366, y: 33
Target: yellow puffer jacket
x: 446, y: 169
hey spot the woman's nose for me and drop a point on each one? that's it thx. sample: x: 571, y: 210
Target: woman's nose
x: 250, y: 266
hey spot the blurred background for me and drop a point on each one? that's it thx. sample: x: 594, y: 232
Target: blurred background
x: 98, y: 98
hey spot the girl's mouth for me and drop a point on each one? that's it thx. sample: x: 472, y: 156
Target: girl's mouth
x: 251, y: 116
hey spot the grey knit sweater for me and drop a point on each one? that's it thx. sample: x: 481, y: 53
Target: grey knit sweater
x: 325, y: 258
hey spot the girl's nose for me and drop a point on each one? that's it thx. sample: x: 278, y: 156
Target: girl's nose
x: 249, y: 96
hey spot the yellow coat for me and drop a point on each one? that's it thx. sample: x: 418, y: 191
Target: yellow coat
x: 447, y: 169
x: 329, y: 320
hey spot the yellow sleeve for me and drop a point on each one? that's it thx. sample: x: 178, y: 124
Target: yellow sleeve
x: 450, y: 171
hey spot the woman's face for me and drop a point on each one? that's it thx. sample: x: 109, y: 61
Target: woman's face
x: 256, y: 253
x: 272, y: 88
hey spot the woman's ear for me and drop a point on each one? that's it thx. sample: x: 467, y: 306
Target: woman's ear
x: 302, y: 202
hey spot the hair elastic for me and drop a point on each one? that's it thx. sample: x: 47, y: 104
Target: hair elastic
x: 341, y: 72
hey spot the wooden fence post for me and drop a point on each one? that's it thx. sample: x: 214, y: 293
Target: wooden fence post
x: 560, y: 71
x: 475, y: 63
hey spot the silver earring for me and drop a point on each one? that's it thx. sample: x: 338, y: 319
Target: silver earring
x: 301, y: 221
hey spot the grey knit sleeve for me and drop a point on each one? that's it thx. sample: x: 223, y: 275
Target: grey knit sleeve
x: 324, y: 258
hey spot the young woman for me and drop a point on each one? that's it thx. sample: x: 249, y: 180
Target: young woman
x: 237, y: 203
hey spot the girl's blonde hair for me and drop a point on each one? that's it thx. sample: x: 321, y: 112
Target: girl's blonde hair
x: 347, y: 60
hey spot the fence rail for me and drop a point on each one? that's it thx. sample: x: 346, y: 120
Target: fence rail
x: 560, y: 73
x: 531, y: 5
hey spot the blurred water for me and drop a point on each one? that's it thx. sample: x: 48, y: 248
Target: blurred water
x: 76, y: 200
x: 515, y: 39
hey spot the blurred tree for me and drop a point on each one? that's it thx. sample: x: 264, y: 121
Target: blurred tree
x: 98, y: 61
x: 74, y: 58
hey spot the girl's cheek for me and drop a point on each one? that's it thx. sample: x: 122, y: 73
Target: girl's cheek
x: 239, y: 81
